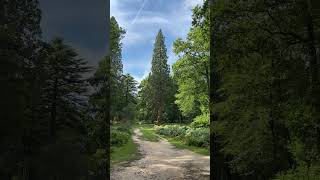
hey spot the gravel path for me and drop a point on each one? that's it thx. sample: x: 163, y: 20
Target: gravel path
x: 162, y: 161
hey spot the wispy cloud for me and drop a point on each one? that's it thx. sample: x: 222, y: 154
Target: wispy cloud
x: 132, y: 14
x: 142, y: 19
x: 138, y: 13
x: 189, y: 4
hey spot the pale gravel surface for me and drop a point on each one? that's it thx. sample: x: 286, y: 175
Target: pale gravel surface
x: 162, y: 161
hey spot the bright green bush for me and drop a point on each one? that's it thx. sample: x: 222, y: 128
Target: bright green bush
x: 192, y: 136
x: 119, y: 138
x: 198, y: 137
x: 201, y: 121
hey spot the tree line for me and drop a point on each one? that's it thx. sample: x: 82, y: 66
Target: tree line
x: 251, y: 67
x: 49, y: 127
x: 180, y: 95
x: 264, y: 89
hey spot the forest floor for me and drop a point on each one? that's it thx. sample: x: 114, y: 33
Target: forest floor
x: 162, y: 161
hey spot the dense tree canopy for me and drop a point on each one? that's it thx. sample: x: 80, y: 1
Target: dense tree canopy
x: 114, y: 97
x: 251, y: 67
x: 191, y: 71
x: 43, y: 108
x: 265, y: 62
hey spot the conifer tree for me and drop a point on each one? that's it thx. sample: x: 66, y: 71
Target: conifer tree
x: 159, y: 78
x: 116, y: 71
x: 64, y: 84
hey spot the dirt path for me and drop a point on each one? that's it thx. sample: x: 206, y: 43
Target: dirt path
x: 162, y: 161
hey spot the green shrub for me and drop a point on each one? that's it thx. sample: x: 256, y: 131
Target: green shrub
x: 171, y: 130
x: 201, y: 121
x: 124, y: 129
x: 121, y: 126
x: 198, y: 137
x: 119, y: 138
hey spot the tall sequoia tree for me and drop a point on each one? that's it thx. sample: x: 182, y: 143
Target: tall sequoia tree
x: 159, y: 78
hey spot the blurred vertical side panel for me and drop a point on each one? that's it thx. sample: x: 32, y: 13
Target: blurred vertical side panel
x: 50, y: 121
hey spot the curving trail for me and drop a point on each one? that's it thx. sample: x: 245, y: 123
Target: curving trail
x: 162, y: 161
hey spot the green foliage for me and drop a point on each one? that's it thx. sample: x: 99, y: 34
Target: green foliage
x: 159, y: 79
x: 171, y: 130
x: 157, y: 91
x: 20, y: 49
x: 63, y: 85
x: 143, y: 107
x: 202, y: 120
x: 127, y: 152
x: 41, y: 116
x: 198, y: 137
x: 301, y: 172
x: 191, y: 72
x: 181, y: 144
x: 262, y: 85
x: 114, y: 99
x: 122, y: 146
x: 119, y: 137
x: 123, y: 87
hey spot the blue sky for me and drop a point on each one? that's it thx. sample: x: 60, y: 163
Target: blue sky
x: 142, y: 20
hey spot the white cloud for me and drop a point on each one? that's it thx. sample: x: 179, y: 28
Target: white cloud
x: 140, y: 78
x: 189, y: 4
x: 151, y: 20
x: 136, y: 64
x: 141, y: 24
x: 132, y: 37
x: 171, y: 56
x: 139, y: 11
x: 132, y: 64
x: 175, y: 22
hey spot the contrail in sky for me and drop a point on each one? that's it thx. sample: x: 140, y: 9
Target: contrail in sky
x: 138, y: 13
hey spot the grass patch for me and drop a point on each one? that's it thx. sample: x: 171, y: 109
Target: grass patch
x: 126, y: 152
x: 148, y: 132
x: 181, y: 145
